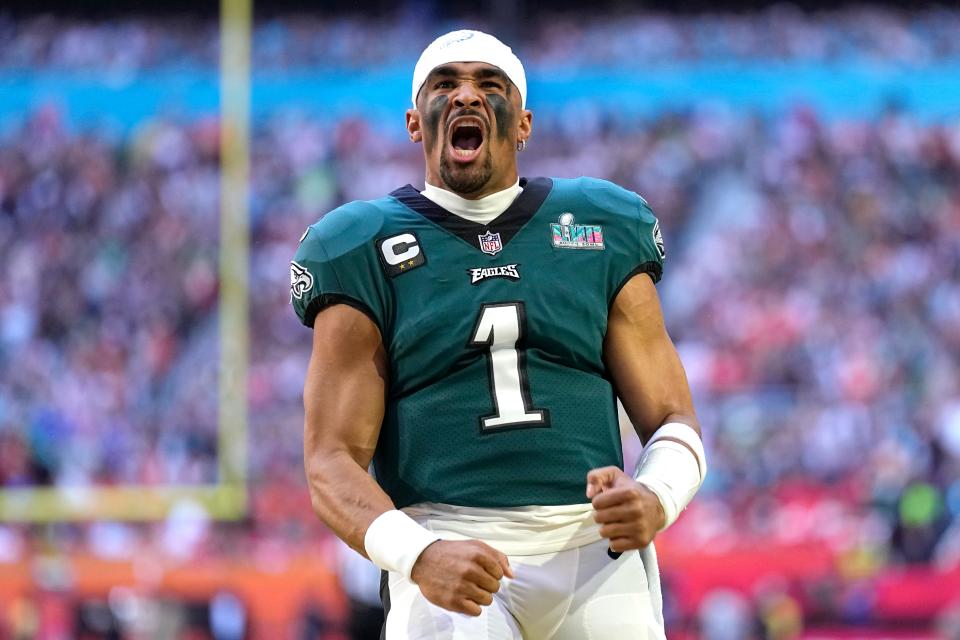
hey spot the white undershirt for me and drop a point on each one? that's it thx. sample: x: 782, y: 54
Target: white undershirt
x: 515, y: 531
x: 482, y: 210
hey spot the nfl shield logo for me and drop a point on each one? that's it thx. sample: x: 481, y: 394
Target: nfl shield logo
x: 490, y: 243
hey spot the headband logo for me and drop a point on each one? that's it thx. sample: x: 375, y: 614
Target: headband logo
x: 459, y: 38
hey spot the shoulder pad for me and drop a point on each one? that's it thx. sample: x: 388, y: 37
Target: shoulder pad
x: 614, y: 198
x: 345, y: 228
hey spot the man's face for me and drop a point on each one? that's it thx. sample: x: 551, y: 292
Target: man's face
x: 469, y: 119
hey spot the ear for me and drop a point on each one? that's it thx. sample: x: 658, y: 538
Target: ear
x: 525, y: 126
x: 413, y: 125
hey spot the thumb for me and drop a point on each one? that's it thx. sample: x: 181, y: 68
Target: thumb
x: 600, y: 479
x: 505, y: 565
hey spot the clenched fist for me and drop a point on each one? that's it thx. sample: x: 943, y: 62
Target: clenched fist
x: 629, y: 514
x: 460, y: 576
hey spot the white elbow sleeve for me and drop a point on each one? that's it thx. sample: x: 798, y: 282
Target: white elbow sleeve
x: 394, y: 541
x: 670, y: 470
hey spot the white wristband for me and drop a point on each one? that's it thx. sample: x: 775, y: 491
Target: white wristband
x: 670, y: 470
x: 394, y: 541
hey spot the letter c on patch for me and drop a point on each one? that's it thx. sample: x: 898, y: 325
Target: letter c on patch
x: 400, y: 249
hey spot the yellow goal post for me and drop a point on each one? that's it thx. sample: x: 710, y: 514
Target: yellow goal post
x: 227, y: 499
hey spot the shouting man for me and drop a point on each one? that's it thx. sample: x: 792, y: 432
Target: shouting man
x: 470, y: 340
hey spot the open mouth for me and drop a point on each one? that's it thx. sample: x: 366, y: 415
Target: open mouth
x: 466, y: 138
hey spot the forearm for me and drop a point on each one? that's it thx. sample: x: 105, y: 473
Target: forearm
x: 651, y: 382
x: 643, y: 362
x: 343, y: 402
x: 673, y: 466
x: 354, y: 506
x: 683, y: 418
x: 345, y: 496
x: 653, y: 400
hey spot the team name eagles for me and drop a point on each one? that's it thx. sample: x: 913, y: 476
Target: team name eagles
x: 508, y: 271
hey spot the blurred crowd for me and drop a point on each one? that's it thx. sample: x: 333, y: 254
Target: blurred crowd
x: 778, y: 33
x: 814, y: 300
x: 812, y: 281
x: 811, y: 286
x: 109, y: 288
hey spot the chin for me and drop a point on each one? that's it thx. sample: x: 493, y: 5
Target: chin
x: 466, y: 179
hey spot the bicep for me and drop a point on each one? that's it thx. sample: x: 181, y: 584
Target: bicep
x: 642, y: 360
x: 345, y: 386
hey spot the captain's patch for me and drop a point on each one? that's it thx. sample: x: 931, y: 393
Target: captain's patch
x: 400, y: 253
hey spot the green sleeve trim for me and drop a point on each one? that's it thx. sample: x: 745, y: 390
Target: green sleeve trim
x: 324, y: 300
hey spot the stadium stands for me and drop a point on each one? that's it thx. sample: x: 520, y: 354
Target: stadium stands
x: 312, y: 40
x: 812, y: 286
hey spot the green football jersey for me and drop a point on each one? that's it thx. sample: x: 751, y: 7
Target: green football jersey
x: 498, y: 395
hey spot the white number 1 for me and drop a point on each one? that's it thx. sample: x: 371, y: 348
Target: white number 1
x: 500, y: 328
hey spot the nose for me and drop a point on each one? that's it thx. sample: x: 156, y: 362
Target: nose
x: 466, y: 95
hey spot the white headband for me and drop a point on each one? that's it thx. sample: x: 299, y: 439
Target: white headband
x: 469, y: 46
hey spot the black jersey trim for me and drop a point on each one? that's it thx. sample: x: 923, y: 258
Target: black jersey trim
x: 385, y: 599
x: 655, y: 269
x: 325, y: 300
x: 507, y: 224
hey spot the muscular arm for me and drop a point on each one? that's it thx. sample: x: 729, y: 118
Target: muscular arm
x: 646, y: 369
x: 653, y: 387
x: 343, y: 399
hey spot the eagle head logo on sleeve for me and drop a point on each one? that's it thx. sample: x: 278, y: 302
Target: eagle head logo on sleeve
x: 301, y: 280
x: 658, y: 240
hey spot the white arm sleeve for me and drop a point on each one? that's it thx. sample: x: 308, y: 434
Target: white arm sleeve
x: 394, y: 541
x: 670, y: 470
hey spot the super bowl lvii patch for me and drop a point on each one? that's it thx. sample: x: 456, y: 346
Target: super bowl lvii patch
x: 565, y: 234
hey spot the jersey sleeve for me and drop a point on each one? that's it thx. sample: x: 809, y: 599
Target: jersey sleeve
x: 634, y: 242
x: 648, y: 252
x: 336, y: 264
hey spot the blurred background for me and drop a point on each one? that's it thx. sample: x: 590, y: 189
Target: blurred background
x: 804, y: 161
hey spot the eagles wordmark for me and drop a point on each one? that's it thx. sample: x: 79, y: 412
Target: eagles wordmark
x: 507, y: 271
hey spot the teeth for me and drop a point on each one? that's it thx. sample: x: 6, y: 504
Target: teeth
x: 464, y: 153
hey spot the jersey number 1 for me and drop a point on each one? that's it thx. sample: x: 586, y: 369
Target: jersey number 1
x: 500, y: 327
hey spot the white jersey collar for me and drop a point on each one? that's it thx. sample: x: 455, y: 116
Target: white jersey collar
x: 480, y: 211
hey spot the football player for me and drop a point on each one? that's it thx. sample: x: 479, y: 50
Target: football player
x: 470, y: 340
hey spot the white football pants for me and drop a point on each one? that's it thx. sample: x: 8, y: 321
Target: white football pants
x: 576, y: 594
